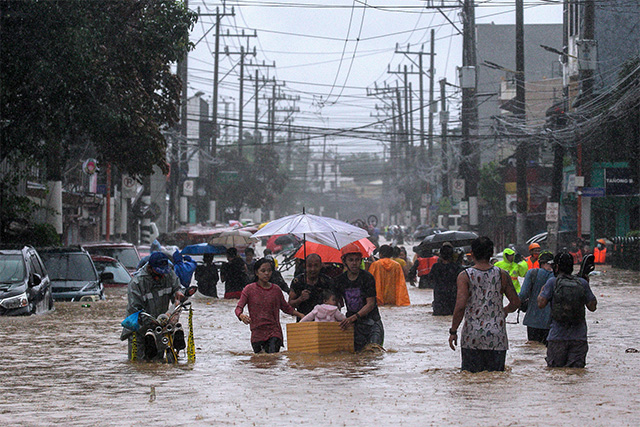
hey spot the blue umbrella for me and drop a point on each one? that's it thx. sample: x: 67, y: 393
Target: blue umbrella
x: 203, y: 248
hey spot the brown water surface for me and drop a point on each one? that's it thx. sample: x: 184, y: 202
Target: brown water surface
x: 69, y: 367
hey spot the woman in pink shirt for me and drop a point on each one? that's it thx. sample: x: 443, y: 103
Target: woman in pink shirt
x: 265, y: 300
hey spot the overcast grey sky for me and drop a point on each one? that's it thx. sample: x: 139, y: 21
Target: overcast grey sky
x: 306, y: 39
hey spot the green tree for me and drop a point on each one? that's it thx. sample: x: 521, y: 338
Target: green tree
x: 75, y: 72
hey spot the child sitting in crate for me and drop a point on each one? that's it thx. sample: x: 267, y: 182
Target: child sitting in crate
x: 328, y: 311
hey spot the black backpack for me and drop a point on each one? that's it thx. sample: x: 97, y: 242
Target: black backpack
x: 568, y: 301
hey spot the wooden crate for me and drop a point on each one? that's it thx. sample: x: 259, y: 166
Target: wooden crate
x: 319, y: 337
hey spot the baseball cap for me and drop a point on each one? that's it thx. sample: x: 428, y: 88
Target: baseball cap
x: 159, y: 262
x: 546, y: 258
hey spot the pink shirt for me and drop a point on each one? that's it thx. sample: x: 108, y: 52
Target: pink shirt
x: 264, y: 310
x: 324, y: 313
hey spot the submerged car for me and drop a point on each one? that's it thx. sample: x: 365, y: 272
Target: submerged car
x: 105, y: 264
x: 73, y: 275
x: 24, y: 284
x: 124, y: 252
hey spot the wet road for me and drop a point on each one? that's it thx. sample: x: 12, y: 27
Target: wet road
x: 69, y: 367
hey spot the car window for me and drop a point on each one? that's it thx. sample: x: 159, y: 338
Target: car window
x: 36, y: 267
x: 120, y: 274
x: 127, y: 256
x: 64, y: 266
x: 12, y: 269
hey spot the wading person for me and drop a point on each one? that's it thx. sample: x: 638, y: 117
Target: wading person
x: 207, y: 276
x: 567, y: 340
x: 151, y: 290
x: 513, y: 266
x: 421, y: 268
x: 391, y: 287
x: 483, y: 340
x: 264, y: 300
x: 537, y: 320
x: 234, y: 274
x: 534, y: 253
x: 306, y: 288
x: 443, y: 278
x: 358, y: 290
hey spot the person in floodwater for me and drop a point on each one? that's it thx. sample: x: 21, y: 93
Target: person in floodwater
x: 567, y: 344
x: 265, y: 300
x: 358, y: 290
x: 306, y: 288
x: 483, y: 341
x: 425, y: 260
x: 207, y: 276
x: 234, y: 274
x: 391, y: 287
x: 536, y: 320
x: 151, y: 290
x: 513, y: 265
x: 443, y: 278
x: 249, y: 260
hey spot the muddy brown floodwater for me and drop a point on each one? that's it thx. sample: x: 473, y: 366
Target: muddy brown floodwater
x: 69, y: 367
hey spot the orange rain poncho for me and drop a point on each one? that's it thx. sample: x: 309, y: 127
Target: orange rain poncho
x: 391, y: 287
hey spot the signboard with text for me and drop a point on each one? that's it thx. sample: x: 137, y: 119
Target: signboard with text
x: 552, y: 212
x: 619, y: 182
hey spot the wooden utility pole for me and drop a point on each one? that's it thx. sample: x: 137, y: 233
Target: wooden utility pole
x: 519, y: 111
x: 256, y: 95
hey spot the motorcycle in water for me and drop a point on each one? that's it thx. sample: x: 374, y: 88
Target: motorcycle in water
x: 164, y: 336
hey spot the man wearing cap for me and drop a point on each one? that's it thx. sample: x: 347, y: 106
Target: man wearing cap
x: 358, y: 290
x: 515, y: 269
x: 151, y: 290
x: 534, y: 253
x: 537, y: 320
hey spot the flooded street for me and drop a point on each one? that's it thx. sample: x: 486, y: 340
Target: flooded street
x: 70, y: 367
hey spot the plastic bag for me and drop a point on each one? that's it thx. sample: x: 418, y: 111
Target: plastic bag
x: 131, y: 322
x: 184, y: 268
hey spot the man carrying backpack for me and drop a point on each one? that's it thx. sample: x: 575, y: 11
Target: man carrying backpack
x: 568, y: 294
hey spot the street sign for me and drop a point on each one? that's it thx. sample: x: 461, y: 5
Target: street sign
x: 619, y: 181
x: 187, y: 188
x: 463, y: 208
x: 552, y: 212
x: 129, y: 187
x: 457, y: 188
x: 593, y: 192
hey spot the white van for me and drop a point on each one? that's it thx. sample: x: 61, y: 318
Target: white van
x: 454, y: 222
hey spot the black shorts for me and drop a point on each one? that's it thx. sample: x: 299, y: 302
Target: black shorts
x: 483, y: 360
x: 272, y: 345
x: 570, y: 354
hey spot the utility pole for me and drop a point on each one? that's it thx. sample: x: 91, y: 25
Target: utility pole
x: 243, y: 53
x: 256, y: 95
x: 432, y: 78
x: 520, y: 116
x: 216, y: 62
x: 444, y: 120
x: 586, y: 93
x: 469, y: 115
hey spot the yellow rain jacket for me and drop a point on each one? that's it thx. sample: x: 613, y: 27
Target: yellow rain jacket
x: 515, y: 270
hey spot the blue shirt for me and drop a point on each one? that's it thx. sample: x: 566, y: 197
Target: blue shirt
x: 535, y: 317
x: 560, y: 332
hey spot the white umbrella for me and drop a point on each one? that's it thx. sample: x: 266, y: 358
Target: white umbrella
x: 233, y: 238
x: 313, y: 228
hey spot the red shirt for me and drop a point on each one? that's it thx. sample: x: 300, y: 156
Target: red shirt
x: 264, y: 310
